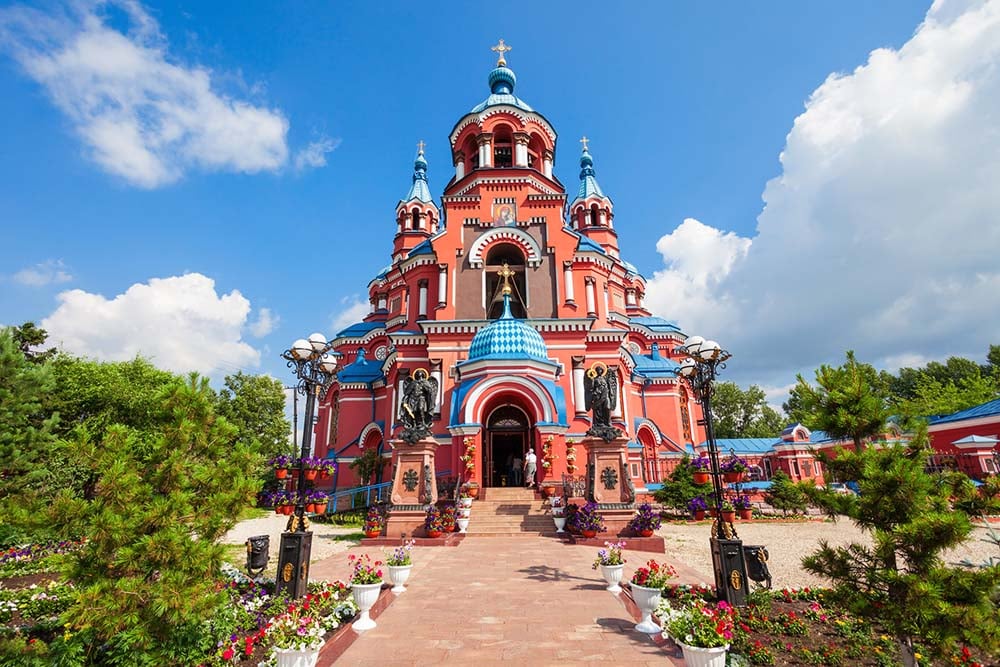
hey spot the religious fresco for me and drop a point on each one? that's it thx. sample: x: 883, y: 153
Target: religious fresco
x: 504, y: 214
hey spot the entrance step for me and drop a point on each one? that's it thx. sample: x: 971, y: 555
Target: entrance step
x: 506, y: 512
x: 508, y: 493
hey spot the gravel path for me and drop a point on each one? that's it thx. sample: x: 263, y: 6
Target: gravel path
x: 787, y: 543
x: 325, y: 536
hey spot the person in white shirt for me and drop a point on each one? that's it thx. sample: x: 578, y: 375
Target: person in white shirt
x: 530, y: 462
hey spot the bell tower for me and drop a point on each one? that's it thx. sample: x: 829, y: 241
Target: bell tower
x: 592, y: 213
x: 417, y: 217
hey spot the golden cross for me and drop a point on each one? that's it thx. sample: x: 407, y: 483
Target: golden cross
x: 584, y: 141
x: 420, y: 147
x: 501, y: 48
x: 505, y: 273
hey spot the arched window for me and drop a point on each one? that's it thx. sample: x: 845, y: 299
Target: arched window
x: 500, y: 254
x: 503, y: 147
x: 415, y: 219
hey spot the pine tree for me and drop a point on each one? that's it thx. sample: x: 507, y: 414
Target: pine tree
x: 680, y: 488
x: 901, y: 582
x: 784, y: 494
x: 146, y: 575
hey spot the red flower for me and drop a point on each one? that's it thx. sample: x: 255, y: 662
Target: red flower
x: 228, y: 654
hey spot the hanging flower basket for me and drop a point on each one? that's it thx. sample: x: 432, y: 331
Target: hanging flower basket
x: 310, y: 475
x: 733, y: 477
x: 701, y: 477
x: 281, y: 473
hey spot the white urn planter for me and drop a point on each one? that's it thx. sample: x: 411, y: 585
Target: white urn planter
x: 398, y: 574
x: 288, y: 657
x: 464, y: 512
x: 465, y: 502
x: 560, y: 523
x: 704, y: 657
x: 463, y: 524
x: 613, y: 576
x: 647, y: 600
x: 365, y: 595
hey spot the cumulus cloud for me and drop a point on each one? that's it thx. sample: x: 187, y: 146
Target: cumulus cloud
x: 352, y: 311
x: 880, y: 233
x: 142, y: 115
x: 265, y: 323
x: 313, y: 155
x: 49, y: 272
x: 179, y: 323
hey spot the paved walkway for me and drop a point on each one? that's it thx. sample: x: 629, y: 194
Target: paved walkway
x: 496, y: 600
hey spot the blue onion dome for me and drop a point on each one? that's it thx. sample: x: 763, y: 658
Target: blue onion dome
x: 508, y: 338
x: 502, y: 80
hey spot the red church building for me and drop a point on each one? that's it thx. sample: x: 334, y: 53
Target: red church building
x: 509, y: 381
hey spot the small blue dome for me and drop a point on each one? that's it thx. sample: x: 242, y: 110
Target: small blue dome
x: 508, y: 338
x: 502, y: 80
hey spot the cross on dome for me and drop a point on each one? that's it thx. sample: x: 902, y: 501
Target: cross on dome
x: 506, y: 274
x: 420, y: 147
x: 585, y: 141
x: 501, y: 48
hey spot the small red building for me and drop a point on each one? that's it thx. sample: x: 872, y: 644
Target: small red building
x: 968, y: 440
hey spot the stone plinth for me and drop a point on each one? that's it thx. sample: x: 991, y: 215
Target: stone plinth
x: 609, y: 484
x: 413, y: 486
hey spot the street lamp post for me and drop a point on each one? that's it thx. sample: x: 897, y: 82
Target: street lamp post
x: 315, y: 367
x: 702, y: 361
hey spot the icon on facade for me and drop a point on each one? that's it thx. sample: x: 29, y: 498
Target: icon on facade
x: 504, y: 214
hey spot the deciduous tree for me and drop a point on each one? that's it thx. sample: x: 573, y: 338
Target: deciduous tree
x: 742, y: 413
x: 255, y: 405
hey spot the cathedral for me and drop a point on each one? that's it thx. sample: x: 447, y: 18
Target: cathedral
x: 506, y: 296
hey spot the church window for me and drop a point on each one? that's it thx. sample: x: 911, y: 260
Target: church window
x: 396, y: 304
x: 512, y: 256
x: 503, y: 156
x: 503, y: 147
x: 795, y: 468
x: 685, y: 416
x: 415, y: 219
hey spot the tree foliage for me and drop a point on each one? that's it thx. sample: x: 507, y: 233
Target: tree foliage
x: 784, y: 494
x: 680, y: 488
x: 849, y: 401
x: 368, y: 465
x: 28, y: 338
x: 739, y: 413
x: 901, y: 582
x: 145, y: 577
x: 255, y: 405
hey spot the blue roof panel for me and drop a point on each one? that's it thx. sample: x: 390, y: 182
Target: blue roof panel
x: 988, y: 409
x: 361, y: 371
x: 358, y: 330
x: 588, y: 245
x: 655, y: 323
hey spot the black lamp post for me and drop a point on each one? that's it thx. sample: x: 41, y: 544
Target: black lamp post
x: 702, y: 361
x: 316, y: 368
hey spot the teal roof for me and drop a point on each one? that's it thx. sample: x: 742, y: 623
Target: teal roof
x: 988, y: 409
x: 588, y: 181
x: 588, y: 245
x: 422, y: 248
x: 502, y: 81
x: 657, y: 324
x: 508, y: 338
x: 359, y: 329
x: 744, y: 445
x: 361, y: 371
x: 419, y: 189
x: 654, y: 365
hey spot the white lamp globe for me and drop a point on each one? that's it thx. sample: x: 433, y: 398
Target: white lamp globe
x: 318, y: 341
x: 328, y: 363
x: 710, y: 349
x: 692, y: 343
x: 301, y: 349
x: 686, y: 367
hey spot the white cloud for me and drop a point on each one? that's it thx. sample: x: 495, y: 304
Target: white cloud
x: 880, y: 234
x: 142, y: 115
x: 265, y: 323
x: 314, y: 154
x: 49, y: 272
x: 179, y: 323
x: 352, y: 311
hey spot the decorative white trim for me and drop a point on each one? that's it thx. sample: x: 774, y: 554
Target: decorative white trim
x: 372, y: 426
x: 465, y: 429
x: 535, y: 394
x: 501, y: 234
x: 482, y: 179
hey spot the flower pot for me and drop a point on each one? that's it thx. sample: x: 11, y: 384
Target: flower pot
x: 560, y: 523
x: 465, y: 502
x: 287, y: 510
x: 548, y: 491
x: 645, y: 533
x: 463, y: 513
x: 745, y: 514
x: 373, y: 533
x: 701, y: 477
x: 365, y: 595
x: 289, y: 657
x: 398, y: 574
x: 433, y: 533
x: 320, y: 508
x: 452, y: 528
x: 647, y: 600
x: 463, y: 524
x: 324, y: 474
x: 699, y: 515
x: 713, y: 511
x: 310, y: 507
x: 732, y: 477
x: 277, y: 509
x: 310, y: 475
x: 589, y: 533
x: 729, y: 516
x: 474, y: 491
x: 695, y: 656
x: 281, y: 473
x: 613, y: 576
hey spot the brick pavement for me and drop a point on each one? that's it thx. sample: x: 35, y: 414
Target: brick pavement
x: 495, y: 600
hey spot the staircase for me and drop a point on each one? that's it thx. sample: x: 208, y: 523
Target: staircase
x: 510, y: 512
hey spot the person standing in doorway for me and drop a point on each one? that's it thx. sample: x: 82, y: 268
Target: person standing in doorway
x: 530, y: 462
x: 515, y: 469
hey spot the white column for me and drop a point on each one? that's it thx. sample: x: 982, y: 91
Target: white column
x: 442, y: 285
x: 568, y: 277
x: 590, y: 217
x: 630, y: 297
x: 603, y: 218
x: 422, y: 306
x: 382, y: 305
x: 520, y: 150
x: 459, y: 166
x: 578, y: 401
x: 607, y: 303
x: 591, y: 297
x: 371, y: 306
x: 547, y: 165
x: 617, y: 412
x: 436, y: 374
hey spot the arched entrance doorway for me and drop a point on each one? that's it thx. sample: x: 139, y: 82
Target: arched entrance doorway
x: 508, y: 437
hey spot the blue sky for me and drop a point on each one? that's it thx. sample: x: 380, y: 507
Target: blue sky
x: 688, y: 107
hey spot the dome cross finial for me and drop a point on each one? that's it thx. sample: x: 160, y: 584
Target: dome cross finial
x: 420, y: 147
x: 585, y: 141
x: 501, y: 49
x: 506, y: 274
